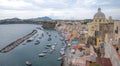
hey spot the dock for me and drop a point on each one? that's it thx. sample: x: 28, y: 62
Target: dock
x: 17, y: 42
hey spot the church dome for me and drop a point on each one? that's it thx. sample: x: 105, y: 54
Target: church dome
x: 99, y: 14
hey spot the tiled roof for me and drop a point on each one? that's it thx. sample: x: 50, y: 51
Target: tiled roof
x: 101, y: 61
x: 104, y: 61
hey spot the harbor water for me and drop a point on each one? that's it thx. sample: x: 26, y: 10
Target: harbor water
x: 28, y: 51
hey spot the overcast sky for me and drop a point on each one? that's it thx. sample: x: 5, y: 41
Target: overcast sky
x: 58, y: 9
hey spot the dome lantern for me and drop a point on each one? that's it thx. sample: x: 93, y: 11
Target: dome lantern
x: 99, y: 9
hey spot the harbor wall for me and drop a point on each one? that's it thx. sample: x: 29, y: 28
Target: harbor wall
x: 17, y: 42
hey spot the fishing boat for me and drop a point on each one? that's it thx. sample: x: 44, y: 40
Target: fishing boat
x: 28, y: 63
x: 41, y: 55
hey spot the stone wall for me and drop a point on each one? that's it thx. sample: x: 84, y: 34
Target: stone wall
x: 107, y: 28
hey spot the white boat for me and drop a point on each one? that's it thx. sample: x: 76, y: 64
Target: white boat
x: 44, y: 51
x: 28, y: 63
x: 60, y: 58
x: 48, y: 45
x: 41, y: 55
x: 51, y: 50
x: 62, y: 49
x: 53, y: 47
x: 30, y: 39
x: 55, y: 43
x: 62, y: 52
x: 69, y: 45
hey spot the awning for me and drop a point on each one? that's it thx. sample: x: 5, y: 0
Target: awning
x: 74, y: 41
x: 77, y: 47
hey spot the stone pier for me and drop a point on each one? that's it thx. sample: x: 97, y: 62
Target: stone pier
x: 17, y: 42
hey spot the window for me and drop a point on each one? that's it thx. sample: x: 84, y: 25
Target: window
x: 99, y: 40
x: 116, y: 30
x: 95, y: 20
x: 100, y: 20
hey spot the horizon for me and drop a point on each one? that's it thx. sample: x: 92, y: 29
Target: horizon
x: 60, y: 9
x: 50, y: 18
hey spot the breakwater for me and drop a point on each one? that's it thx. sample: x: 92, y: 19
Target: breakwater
x: 17, y: 42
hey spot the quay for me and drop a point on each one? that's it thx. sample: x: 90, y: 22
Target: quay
x: 17, y: 42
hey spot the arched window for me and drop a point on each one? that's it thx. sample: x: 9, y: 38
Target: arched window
x: 99, y: 20
x: 116, y: 30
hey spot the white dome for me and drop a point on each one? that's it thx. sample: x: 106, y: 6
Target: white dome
x: 99, y: 14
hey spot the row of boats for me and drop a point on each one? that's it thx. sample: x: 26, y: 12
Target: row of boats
x: 52, y: 48
x: 43, y: 53
x: 31, y: 39
x: 35, y: 38
x: 62, y: 52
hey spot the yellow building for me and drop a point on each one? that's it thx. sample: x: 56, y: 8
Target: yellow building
x: 98, y: 41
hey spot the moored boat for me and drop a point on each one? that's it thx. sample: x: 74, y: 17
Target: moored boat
x: 51, y: 50
x: 37, y: 42
x: 48, y: 45
x: 53, y: 47
x: 41, y: 55
x: 45, y: 51
x: 60, y: 58
x: 62, y: 52
x: 49, y: 39
x: 28, y: 63
x: 30, y: 39
x: 55, y: 43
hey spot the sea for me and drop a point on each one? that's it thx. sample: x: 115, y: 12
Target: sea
x: 28, y: 51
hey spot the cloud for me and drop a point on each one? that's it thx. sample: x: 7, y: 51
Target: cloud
x: 57, y: 9
x: 56, y: 14
x: 14, y: 3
